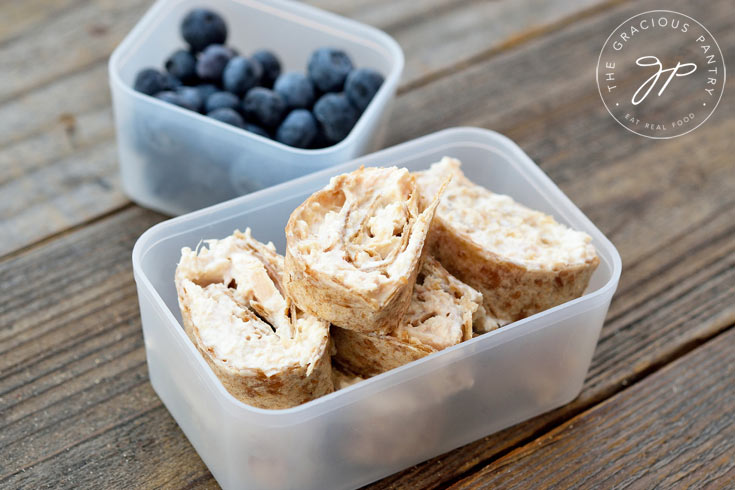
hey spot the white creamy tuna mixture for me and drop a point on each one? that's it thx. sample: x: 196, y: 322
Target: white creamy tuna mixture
x: 364, y: 229
x: 240, y: 311
x: 441, y: 309
x: 499, y: 224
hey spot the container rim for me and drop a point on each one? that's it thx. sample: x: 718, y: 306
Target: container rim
x: 297, y: 12
x: 347, y: 396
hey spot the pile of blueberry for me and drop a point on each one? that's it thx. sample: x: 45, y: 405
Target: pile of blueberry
x: 315, y: 110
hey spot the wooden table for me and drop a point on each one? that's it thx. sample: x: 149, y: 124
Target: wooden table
x: 658, y: 405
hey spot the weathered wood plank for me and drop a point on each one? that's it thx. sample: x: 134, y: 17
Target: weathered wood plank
x: 81, y: 36
x: 19, y: 17
x: 55, y: 197
x: 66, y: 301
x: 673, y: 429
x: 54, y: 103
x: 73, y: 388
x: 662, y: 212
x: 439, y: 35
x: 79, y: 312
x: 72, y: 40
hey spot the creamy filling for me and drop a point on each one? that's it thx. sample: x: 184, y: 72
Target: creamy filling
x: 364, y: 230
x: 441, y: 310
x: 238, y: 307
x: 343, y: 379
x: 502, y: 226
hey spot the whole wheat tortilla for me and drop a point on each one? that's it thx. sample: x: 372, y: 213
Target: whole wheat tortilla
x: 265, y: 351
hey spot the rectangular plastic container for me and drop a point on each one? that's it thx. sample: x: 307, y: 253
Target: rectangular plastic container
x: 399, y: 418
x: 175, y: 160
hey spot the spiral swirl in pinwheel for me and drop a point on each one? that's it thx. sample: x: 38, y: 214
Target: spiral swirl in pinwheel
x: 522, y: 261
x: 265, y: 351
x: 354, y: 248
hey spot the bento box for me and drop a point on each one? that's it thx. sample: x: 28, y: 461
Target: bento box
x: 174, y: 160
x: 396, y: 419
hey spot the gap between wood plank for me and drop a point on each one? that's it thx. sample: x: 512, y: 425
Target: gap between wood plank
x: 675, y: 238
x: 529, y: 448
x: 94, y: 435
x: 78, y: 393
x: 515, y: 41
x: 59, y: 234
x: 683, y: 350
x: 512, y: 43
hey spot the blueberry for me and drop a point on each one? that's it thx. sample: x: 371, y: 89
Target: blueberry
x: 335, y: 115
x: 328, y: 68
x: 227, y: 115
x: 190, y: 98
x: 170, y: 82
x: 212, y: 62
x: 298, y: 129
x: 264, y: 107
x: 182, y: 65
x: 296, y: 89
x: 202, y: 27
x: 206, y: 89
x: 149, y: 81
x: 241, y: 74
x: 361, y: 86
x: 271, y: 67
x: 218, y: 100
x: 320, y: 140
x: 254, y: 128
x: 171, y: 97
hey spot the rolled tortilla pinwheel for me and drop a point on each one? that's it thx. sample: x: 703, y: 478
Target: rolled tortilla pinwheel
x: 265, y: 351
x: 343, y: 378
x: 354, y: 248
x: 522, y: 261
x: 440, y: 315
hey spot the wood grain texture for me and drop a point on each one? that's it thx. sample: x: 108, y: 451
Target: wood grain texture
x: 76, y: 409
x: 54, y: 100
x: 676, y: 428
x: 666, y: 206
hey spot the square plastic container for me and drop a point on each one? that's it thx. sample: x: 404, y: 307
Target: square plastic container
x: 401, y: 417
x: 175, y: 160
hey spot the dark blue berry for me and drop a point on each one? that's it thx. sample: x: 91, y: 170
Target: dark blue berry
x: 336, y: 116
x: 328, y: 68
x: 182, y: 65
x: 254, y: 128
x: 296, y: 89
x: 171, y: 97
x: 190, y: 98
x: 271, y: 67
x: 227, y: 115
x: 361, y: 86
x: 298, y: 129
x: 320, y: 140
x: 202, y: 27
x: 212, y: 62
x: 241, y: 74
x: 149, y: 81
x: 170, y: 82
x: 206, y: 89
x: 264, y: 107
x: 218, y: 100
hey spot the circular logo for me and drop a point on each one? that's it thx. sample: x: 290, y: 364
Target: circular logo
x: 661, y: 74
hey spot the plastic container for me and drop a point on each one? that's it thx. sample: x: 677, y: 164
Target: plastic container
x: 174, y: 160
x: 401, y: 417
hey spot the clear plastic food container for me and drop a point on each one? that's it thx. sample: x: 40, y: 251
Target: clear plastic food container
x: 401, y: 417
x: 175, y: 161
